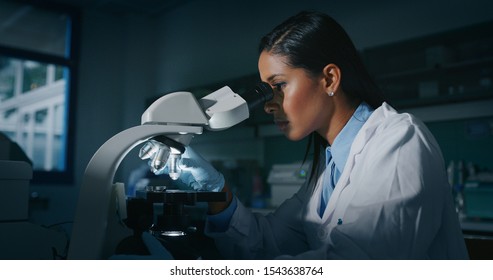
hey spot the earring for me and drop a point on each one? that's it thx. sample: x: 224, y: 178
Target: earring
x: 331, y: 93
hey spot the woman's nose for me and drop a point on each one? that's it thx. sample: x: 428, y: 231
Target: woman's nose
x: 275, y: 104
x: 271, y: 106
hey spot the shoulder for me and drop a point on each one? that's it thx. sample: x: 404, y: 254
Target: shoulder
x: 386, y: 120
x: 387, y: 117
x: 400, y: 146
x: 392, y: 129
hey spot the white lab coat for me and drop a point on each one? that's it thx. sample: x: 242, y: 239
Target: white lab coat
x: 392, y: 201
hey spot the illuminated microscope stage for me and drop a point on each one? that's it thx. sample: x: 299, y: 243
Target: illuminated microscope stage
x: 163, y: 213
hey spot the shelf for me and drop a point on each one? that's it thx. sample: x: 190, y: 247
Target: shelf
x: 451, y: 66
x: 448, y: 67
x: 441, y: 99
x: 453, y: 111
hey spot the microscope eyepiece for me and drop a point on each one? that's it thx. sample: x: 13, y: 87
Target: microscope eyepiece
x: 258, y: 95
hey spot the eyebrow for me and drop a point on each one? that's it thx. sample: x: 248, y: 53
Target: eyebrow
x: 273, y: 76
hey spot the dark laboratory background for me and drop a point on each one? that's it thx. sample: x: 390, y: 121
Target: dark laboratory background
x: 74, y: 73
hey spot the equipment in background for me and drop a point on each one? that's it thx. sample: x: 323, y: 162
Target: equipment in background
x: 472, y: 190
x: 20, y: 239
x: 176, y: 116
x: 478, y: 195
x: 285, y: 180
x: 14, y: 190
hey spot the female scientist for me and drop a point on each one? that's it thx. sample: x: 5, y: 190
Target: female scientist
x: 378, y: 187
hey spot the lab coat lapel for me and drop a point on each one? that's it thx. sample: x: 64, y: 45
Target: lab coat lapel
x: 314, y: 225
x: 338, y: 203
x: 315, y: 201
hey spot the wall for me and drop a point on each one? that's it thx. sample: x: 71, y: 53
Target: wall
x: 127, y: 58
x: 211, y: 41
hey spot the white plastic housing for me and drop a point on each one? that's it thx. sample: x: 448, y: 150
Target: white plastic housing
x: 175, y: 108
x: 224, y: 108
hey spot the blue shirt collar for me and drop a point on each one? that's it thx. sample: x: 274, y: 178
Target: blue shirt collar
x: 343, y: 141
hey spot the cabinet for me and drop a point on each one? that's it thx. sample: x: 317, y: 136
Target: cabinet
x: 452, y: 66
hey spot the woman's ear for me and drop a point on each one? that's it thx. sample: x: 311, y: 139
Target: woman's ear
x: 332, y: 78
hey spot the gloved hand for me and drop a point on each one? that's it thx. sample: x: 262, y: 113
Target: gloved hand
x: 199, y: 173
x: 196, y: 172
x: 155, y: 248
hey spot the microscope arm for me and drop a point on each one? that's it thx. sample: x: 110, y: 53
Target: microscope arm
x: 89, y: 229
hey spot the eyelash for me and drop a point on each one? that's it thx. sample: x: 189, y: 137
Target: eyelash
x: 279, y: 86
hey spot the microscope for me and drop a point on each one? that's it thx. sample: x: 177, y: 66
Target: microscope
x: 101, y: 222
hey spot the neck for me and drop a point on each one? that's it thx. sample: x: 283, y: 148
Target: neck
x: 342, y: 113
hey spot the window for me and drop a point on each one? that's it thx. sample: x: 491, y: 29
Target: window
x: 37, y: 91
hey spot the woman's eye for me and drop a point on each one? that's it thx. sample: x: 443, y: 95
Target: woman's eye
x: 279, y: 86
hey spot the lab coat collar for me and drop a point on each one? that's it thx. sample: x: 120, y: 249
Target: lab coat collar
x: 344, y: 140
x: 368, y: 129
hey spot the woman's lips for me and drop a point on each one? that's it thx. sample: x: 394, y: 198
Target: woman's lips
x: 281, y: 124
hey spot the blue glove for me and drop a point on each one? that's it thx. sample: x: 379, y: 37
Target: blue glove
x: 196, y: 172
x: 199, y: 173
x: 155, y: 248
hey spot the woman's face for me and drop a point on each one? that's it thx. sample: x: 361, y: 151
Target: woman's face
x: 300, y: 104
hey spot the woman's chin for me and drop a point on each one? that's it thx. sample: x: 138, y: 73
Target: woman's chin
x: 293, y: 136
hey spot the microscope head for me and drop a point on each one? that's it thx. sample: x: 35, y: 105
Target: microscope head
x: 218, y: 110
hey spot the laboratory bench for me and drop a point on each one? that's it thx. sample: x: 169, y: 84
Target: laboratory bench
x: 478, y: 234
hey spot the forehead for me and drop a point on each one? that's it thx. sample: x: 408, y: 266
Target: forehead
x: 270, y: 65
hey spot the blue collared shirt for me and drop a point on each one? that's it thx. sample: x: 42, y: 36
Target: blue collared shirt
x: 337, y: 154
